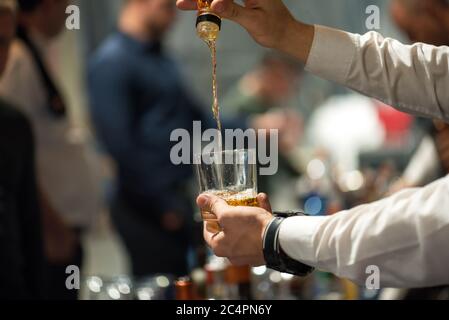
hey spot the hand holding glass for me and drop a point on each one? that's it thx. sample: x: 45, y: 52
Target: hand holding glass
x: 230, y: 175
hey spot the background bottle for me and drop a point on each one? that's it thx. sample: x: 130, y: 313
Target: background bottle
x: 184, y: 289
x: 215, y: 279
x: 238, y: 280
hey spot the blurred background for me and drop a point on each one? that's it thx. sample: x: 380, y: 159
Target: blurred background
x: 238, y: 53
x: 339, y: 149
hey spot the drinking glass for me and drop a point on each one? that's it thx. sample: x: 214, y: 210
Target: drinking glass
x: 230, y: 175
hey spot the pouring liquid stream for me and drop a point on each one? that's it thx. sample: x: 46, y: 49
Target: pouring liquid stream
x: 215, y: 105
x: 216, y: 108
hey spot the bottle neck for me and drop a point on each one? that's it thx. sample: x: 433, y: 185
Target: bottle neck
x: 208, y: 26
x: 207, y: 16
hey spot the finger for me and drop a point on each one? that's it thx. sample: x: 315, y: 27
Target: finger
x: 186, y: 4
x: 213, y: 227
x: 215, y: 241
x: 264, y: 202
x: 228, y: 9
x: 210, y: 233
x: 212, y: 204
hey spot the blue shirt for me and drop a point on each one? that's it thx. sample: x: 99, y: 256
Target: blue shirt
x: 137, y: 100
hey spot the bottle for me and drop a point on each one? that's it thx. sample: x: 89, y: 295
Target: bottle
x: 238, y: 280
x: 216, y: 288
x: 184, y: 289
x: 208, y: 24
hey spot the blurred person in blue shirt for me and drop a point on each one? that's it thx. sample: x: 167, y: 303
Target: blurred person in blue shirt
x: 137, y: 99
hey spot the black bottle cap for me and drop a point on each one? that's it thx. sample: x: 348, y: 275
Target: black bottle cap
x: 209, y: 17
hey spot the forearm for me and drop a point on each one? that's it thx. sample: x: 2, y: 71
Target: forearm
x: 410, y: 78
x: 297, y: 40
x: 399, y: 235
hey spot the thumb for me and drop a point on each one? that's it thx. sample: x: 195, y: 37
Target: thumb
x: 264, y: 202
x: 212, y: 204
x: 228, y: 9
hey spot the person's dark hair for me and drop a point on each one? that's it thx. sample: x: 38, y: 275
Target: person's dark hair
x: 28, y: 5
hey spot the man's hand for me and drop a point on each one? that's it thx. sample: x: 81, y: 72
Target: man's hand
x: 268, y: 21
x: 439, y: 11
x: 241, y: 238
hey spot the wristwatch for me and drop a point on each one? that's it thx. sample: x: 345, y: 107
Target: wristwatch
x: 275, y: 257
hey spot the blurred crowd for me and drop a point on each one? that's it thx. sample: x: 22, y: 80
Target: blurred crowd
x: 353, y: 150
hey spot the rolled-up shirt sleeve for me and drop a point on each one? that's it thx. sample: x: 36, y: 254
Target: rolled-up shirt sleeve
x: 406, y: 236
x: 412, y: 78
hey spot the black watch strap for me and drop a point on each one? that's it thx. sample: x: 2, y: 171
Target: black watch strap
x: 275, y: 257
x: 272, y: 258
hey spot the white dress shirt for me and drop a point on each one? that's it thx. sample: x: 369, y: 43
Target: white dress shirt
x: 407, y: 235
x: 63, y: 165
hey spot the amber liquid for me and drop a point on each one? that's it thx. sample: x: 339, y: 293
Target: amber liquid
x: 208, y: 31
x: 245, y: 198
x: 204, y: 4
x: 215, y: 105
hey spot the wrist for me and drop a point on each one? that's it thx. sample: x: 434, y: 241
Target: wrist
x: 269, y: 243
x: 275, y: 258
x: 297, y: 40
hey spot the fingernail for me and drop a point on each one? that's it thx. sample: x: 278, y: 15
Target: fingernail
x: 202, y: 200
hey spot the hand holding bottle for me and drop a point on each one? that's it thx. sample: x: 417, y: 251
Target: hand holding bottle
x: 269, y: 22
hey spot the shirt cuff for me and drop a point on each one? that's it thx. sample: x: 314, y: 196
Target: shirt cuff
x: 296, y: 236
x: 331, y: 54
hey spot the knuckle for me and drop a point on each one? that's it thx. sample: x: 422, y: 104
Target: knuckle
x: 214, y: 205
x: 234, y: 12
x: 225, y: 216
